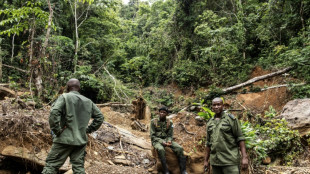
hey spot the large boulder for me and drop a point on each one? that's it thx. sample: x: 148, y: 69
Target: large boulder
x: 297, y: 114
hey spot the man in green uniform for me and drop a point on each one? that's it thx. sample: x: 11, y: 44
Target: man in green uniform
x: 161, y: 137
x: 68, y: 121
x: 224, y: 138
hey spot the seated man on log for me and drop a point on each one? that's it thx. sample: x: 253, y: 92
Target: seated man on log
x: 161, y: 136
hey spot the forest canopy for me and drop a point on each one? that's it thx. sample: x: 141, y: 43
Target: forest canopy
x: 190, y: 43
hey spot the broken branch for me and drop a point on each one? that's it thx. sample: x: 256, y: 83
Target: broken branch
x: 25, y: 71
x: 183, y: 126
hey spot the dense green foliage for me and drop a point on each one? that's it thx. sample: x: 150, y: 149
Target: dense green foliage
x: 190, y: 43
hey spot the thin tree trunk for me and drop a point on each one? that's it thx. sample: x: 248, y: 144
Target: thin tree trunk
x: 0, y: 61
x: 76, y: 37
x: 31, y: 43
x: 35, y: 65
x: 49, y: 26
x: 12, y: 52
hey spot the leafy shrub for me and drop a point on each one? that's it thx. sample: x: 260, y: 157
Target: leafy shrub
x: 279, y: 140
x: 98, y: 90
x: 206, y: 113
x: 301, y: 91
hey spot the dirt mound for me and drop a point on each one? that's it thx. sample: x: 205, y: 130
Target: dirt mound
x: 258, y: 102
x: 261, y: 101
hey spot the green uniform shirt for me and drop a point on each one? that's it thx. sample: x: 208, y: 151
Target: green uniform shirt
x: 223, y: 138
x: 160, y: 132
x: 70, y: 116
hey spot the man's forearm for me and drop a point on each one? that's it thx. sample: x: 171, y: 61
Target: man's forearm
x: 243, y: 149
x: 207, y: 153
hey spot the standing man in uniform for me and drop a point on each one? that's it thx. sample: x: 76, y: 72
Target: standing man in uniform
x: 224, y: 138
x: 161, y: 137
x: 68, y: 121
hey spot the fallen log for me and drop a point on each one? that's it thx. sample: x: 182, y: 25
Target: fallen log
x: 114, y: 104
x: 6, y: 92
x: 279, y: 86
x: 111, y: 134
x: 255, y: 79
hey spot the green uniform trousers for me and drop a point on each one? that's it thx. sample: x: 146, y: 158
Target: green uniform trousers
x: 58, y: 155
x: 175, y: 147
x: 225, y: 169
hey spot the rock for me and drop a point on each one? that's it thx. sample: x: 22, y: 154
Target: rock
x: 297, y: 114
x: 137, y: 125
x: 31, y: 104
x: 199, y: 121
x: 123, y: 162
x: 110, y: 162
x: 111, y: 134
x: 146, y: 161
x: 120, y: 157
x: 110, y: 147
x: 192, y: 108
x: 267, y: 160
x: 21, y: 103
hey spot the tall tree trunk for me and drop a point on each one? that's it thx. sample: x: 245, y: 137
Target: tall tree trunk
x: 35, y: 64
x: 76, y: 36
x: 0, y: 61
x: 49, y: 26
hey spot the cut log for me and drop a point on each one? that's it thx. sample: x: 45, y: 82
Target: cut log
x: 255, y: 79
x: 111, y: 134
x: 139, y: 108
x: 279, y: 86
x: 6, y: 92
x: 114, y: 104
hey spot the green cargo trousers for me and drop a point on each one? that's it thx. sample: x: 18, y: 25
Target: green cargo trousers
x: 58, y: 155
x: 225, y: 169
x: 175, y: 147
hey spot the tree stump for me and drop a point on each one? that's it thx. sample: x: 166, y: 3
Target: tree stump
x: 172, y: 161
x: 139, y: 108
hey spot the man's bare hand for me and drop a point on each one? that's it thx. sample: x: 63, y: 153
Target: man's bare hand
x: 169, y: 143
x: 244, y: 163
x: 206, y: 166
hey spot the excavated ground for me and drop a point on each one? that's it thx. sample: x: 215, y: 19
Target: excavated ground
x: 25, y: 134
x: 28, y: 128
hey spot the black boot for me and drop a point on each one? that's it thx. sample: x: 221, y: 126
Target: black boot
x: 182, y: 163
x: 164, y: 165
